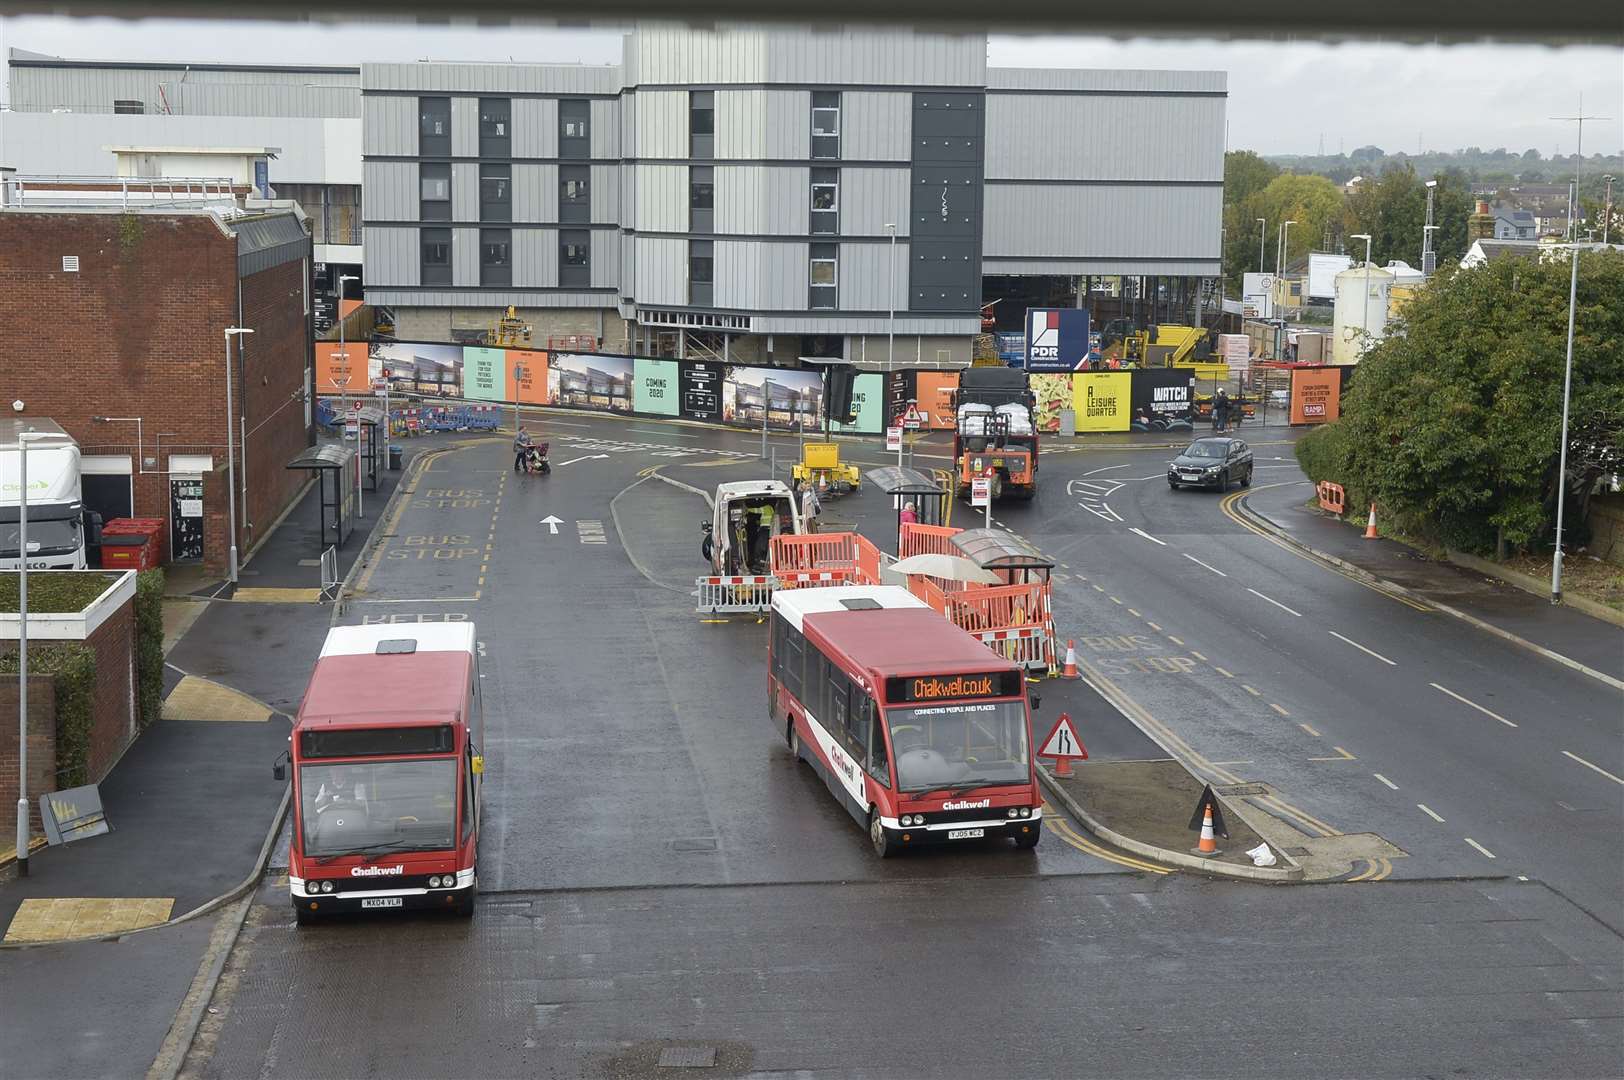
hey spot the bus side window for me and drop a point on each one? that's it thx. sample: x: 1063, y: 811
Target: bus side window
x: 857, y: 719
x: 468, y: 794
x: 879, y: 762
x: 835, y: 690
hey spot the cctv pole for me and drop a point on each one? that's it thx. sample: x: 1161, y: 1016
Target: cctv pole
x: 231, y: 469
x: 1607, y: 210
x: 1562, y: 453
x: 22, y: 660
x: 1262, y: 224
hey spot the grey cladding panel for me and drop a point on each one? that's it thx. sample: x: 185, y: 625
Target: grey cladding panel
x: 535, y: 192
x: 605, y: 196
x: 1100, y: 221
x: 871, y: 198
x: 1113, y: 137
x: 605, y: 264
x: 946, y: 201
x: 662, y: 270
x: 465, y: 126
x: 465, y: 256
x: 392, y: 256
x: 875, y: 126
x: 391, y: 190
x: 761, y: 276
x: 535, y: 258
x: 535, y: 127
x: 464, y: 191
x: 605, y: 129
x: 389, y: 126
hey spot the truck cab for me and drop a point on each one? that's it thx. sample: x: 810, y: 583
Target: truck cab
x: 60, y: 530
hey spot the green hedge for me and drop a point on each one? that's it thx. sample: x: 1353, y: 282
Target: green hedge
x: 54, y: 592
x: 149, y: 644
x: 1323, y: 455
x: 73, y: 667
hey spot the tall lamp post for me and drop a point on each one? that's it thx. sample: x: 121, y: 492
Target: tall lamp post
x: 1562, y: 452
x: 1607, y: 209
x: 891, y: 331
x: 231, y: 469
x: 1279, y: 277
x: 23, y: 439
x: 343, y: 391
x: 1262, y: 227
x: 1365, y: 326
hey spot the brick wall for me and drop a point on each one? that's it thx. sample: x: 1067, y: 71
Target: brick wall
x: 114, y: 723
x: 41, y: 749
x: 137, y: 331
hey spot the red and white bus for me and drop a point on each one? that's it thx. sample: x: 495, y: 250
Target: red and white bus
x: 387, y: 772
x: 919, y: 730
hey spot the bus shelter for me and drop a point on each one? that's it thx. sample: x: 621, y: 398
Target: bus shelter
x: 370, y: 440
x: 1005, y: 554
x: 903, y: 485
x: 334, y: 470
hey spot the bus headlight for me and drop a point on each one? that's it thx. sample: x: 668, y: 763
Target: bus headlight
x: 327, y: 886
x: 1014, y: 812
x: 1026, y: 811
x: 905, y: 820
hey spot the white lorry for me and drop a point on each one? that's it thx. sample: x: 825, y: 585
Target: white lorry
x: 59, y: 529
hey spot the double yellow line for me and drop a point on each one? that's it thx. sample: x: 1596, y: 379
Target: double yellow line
x: 1227, y: 504
x: 1063, y: 829
x: 1375, y: 870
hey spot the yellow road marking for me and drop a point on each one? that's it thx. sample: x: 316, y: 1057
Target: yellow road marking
x: 1344, y: 756
x: 1251, y: 691
x: 1310, y: 730
x: 1278, y: 709
x: 1222, y: 672
x: 1064, y: 830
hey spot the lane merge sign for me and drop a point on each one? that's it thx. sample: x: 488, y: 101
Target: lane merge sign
x: 1064, y: 745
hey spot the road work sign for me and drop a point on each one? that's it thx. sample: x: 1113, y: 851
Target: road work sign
x: 1063, y: 741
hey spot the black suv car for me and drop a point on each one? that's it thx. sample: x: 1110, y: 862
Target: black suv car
x: 1212, y: 463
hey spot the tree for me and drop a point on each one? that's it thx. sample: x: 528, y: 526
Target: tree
x: 1313, y: 202
x: 1245, y: 173
x: 1452, y: 421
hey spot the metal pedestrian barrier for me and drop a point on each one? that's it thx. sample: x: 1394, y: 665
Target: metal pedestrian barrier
x: 731, y: 593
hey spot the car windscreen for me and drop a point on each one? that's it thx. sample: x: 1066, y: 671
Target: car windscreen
x: 970, y: 743
x: 1207, y: 450
x: 352, y: 806
x: 44, y: 537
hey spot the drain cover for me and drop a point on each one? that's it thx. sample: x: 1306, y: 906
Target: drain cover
x: 695, y: 843
x: 687, y: 1057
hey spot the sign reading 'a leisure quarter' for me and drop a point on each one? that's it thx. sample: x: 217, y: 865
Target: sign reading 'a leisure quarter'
x: 981, y: 684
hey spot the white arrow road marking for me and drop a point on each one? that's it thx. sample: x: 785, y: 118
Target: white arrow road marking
x: 552, y: 523
x: 572, y: 461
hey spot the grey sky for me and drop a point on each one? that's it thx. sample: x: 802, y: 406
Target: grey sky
x: 1284, y: 96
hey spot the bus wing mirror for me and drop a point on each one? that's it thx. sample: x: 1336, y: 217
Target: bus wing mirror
x: 279, y: 767
x: 1037, y: 702
x: 479, y: 764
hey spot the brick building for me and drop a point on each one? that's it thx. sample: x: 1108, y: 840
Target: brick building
x: 115, y: 303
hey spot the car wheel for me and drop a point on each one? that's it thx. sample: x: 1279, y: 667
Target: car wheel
x: 1223, y: 481
x: 1246, y: 481
x: 1174, y: 484
x: 883, y: 847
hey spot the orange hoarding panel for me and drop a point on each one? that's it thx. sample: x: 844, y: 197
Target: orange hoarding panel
x: 934, y: 389
x: 530, y: 367
x: 342, y: 369
x: 1316, y: 395
x: 346, y: 308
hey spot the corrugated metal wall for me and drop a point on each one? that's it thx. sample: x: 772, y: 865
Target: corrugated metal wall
x: 605, y: 129
x: 1110, y: 137
x: 772, y: 124
x: 741, y: 53
x: 869, y: 198
x: 628, y: 126
x: 392, y: 256
x: 662, y: 199
x: 535, y: 258
x: 465, y: 127
x: 465, y: 191
x: 389, y: 126
x: 760, y: 276
x: 535, y: 127
x: 605, y: 259
x: 628, y: 263
x: 391, y: 191
x: 662, y: 124
x: 465, y: 256
x: 535, y: 193
x: 258, y: 99
x: 193, y: 93
x: 493, y: 79
x: 773, y: 200
x: 490, y: 300
x: 875, y: 126
x: 1108, y: 80
x: 662, y: 270
x: 604, y: 193
x: 872, y: 278
x: 1036, y: 220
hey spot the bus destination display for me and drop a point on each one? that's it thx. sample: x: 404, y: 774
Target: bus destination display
x: 978, y: 684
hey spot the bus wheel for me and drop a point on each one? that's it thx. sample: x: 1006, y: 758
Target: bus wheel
x: 883, y: 847
x: 303, y: 917
x: 1030, y: 840
x: 793, y: 738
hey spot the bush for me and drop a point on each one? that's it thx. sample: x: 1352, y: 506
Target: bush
x: 1323, y: 455
x: 54, y: 592
x: 149, y: 644
x: 72, y: 667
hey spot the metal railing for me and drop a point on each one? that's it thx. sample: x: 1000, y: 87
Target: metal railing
x: 123, y: 192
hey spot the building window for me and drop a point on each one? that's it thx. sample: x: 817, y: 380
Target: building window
x: 434, y: 126
x: 125, y: 107
x: 495, y: 257
x: 826, y: 201
x: 824, y: 272
x: 701, y: 272
x: 434, y: 181
x: 701, y: 123
x: 574, y: 194
x: 701, y: 199
x: 574, y: 137
x: 495, y: 127
x: 575, y: 258
x: 825, y: 123
x: 495, y: 192
x: 436, y: 245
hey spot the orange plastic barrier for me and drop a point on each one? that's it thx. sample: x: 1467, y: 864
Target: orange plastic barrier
x: 919, y: 539
x: 1331, y: 497
x: 825, y: 559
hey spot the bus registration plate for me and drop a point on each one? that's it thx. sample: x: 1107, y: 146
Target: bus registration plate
x: 381, y: 901
x: 966, y: 834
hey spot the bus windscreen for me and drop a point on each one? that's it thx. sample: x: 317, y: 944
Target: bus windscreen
x: 377, y: 742
x: 965, y: 744
x: 357, y: 807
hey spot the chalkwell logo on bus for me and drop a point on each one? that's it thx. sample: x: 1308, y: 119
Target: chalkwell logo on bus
x: 958, y: 686
x: 376, y: 871
x: 967, y: 804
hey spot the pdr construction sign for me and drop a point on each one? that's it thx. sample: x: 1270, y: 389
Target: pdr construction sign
x: 1056, y: 339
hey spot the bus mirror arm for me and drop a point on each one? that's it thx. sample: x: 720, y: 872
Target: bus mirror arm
x: 279, y: 767
x: 1037, y: 702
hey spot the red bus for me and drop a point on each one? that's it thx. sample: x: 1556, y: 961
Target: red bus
x: 387, y: 772
x: 918, y: 729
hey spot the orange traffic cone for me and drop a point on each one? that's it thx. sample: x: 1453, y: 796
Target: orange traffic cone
x: 1370, y: 528
x: 1070, y: 670
x: 1209, y: 841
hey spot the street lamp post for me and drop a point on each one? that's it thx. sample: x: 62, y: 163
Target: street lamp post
x: 1607, y: 209
x: 1262, y: 226
x: 343, y: 391
x: 231, y: 469
x: 23, y: 439
x: 891, y: 332
x: 1562, y: 452
x: 1428, y: 261
x: 1365, y: 325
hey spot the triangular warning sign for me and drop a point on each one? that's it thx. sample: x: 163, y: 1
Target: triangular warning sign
x: 1209, y: 799
x: 1063, y: 741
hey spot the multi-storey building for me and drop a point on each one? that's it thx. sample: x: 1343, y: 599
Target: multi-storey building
x: 768, y: 193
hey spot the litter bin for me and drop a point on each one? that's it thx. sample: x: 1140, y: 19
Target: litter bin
x: 394, y: 458
x: 133, y: 543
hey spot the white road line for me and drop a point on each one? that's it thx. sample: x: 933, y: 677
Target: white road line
x: 1221, y: 671
x: 1425, y: 809
x: 1598, y: 768
x: 1485, y: 851
x: 1276, y: 603
x: 1198, y: 562
x: 1135, y: 614
x: 1108, y: 468
x: 1149, y: 537
x: 1384, y: 780
x: 1473, y: 704
x: 1174, y: 640
x: 1114, y: 600
x: 1152, y: 625
x: 1361, y: 648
